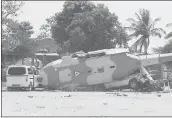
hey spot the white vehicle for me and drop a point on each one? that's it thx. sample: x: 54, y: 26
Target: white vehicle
x: 21, y: 77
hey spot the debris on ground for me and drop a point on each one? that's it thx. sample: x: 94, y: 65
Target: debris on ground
x: 68, y: 96
x: 30, y: 96
x: 127, y: 90
x: 125, y: 95
x: 40, y: 107
x: 119, y: 94
x: 159, y: 95
x: 92, y: 101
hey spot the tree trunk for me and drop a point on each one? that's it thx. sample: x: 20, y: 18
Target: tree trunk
x: 140, y: 48
x: 146, y: 46
x: 22, y: 60
x: 36, y: 60
x: 148, y: 42
x: 32, y: 62
x: 13, y: 56
x: 145, y: 50
x: 4, y: 59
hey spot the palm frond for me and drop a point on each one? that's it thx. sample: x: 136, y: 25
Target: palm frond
x: 135, y: 34
x: 145, y: 16
x: 156, y: 34
x: 154, y: 22
x: 168, y: 25
x: 169, y: 35
x: 138, y: 17
x: 131, y: 20
x: 134, y: 25
x: 131, y: 28
x: 158, y: 30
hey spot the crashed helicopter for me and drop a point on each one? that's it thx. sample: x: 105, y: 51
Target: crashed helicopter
x: 100, y: 70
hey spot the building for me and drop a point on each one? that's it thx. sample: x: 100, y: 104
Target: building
x: 9, y: 58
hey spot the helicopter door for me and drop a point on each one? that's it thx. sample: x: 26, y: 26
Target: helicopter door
x: 65, y: 75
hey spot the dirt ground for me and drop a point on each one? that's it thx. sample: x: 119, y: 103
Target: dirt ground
x: 37, y: 103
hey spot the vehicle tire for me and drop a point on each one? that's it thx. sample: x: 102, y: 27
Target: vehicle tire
x: 133, y: 84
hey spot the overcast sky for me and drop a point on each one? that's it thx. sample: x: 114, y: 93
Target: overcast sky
x: 37, y: 11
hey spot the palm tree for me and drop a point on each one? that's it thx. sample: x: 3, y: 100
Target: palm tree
x: 143, y: 28
x: 169, y: 35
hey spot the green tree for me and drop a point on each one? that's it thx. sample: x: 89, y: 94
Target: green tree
x: 121, y: 37
x: 19, y: 41
x: 9, y: 9
x: 64, y: 23
x: 169, y: 35
x: 143, y: 28
x: 44, y: 31
x: 84, y: 26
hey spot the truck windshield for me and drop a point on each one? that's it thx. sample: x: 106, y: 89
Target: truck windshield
x: 16, y: 71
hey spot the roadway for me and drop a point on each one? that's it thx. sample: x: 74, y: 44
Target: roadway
x: 44, y: 103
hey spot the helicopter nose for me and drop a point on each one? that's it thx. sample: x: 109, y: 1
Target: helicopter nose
x: 44, y: 77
